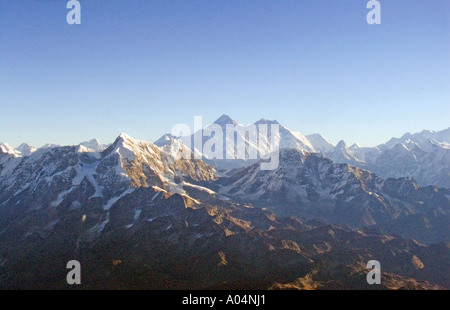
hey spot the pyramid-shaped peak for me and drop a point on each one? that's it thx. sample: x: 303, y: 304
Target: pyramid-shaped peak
x: 94, y: 140
x: 124, y: 137
x: 24, y: 145
x: 225, y: 120
x: 26, y: 149
x: 341, y: 145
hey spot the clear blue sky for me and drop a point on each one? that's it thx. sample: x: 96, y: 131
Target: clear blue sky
x: 141, y: 66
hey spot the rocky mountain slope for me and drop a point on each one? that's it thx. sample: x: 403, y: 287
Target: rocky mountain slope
x: 311, y: 186
x: 153, y: 239
x: 138, y: 215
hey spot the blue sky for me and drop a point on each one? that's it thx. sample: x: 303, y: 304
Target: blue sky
x: 141, y: 66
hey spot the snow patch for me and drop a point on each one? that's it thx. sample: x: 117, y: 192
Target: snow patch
x: 113, y: 200
x: 201, y: 188
x: 102, y: 225
x: 198, y: 236
x: 61, y: 197
x: 137, y: 214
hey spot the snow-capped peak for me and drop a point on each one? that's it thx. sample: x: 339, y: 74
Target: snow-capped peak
x: 165, y: 140
x: 94, y: 145
x: 421, y: 138
x: 124, y: 140
x: 128, y: 147
x: 225, y: 120
x: 83, y: 149
x: 176, y: 149
x: 25, y: 149
x: 266, y: 121
x: 123, y: 136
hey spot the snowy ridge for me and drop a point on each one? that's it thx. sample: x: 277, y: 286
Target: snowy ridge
x: 427, y: 152
x: 425, y: 156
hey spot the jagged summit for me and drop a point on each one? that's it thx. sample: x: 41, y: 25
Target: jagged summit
x: 6, y: 148
x: 94, y: 145
x: 49, y: 146
x: 164, y: 140
x: 123, y: 136
x: 137, y: 205
x: 266, y: 121
x: 126, y: 141
x: 128, y: 148
x: 422, y: 155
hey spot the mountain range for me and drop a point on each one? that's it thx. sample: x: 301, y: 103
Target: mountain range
x: 136, y: 214
x: 424, y: 156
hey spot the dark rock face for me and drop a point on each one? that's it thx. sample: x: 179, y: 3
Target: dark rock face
x: 310, y: 186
